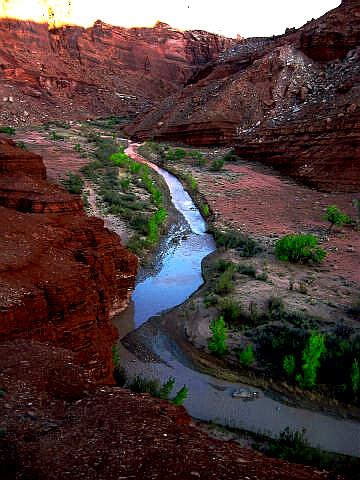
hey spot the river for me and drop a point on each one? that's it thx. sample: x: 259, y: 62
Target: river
x: 177, y: 275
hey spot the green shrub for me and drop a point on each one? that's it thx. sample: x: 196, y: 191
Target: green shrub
x: 355, y: 377
x: 336, y: 217
x: 230, y: 310
x: 8, y: 130
x: 143, y: 385
x: 176, y: 154
x: 166, y: 389
x: 21, y: 145
x: 180, y: 396
x: 210, y: 299
x: 216, y: 165
x: 311, y: 360
x: 289, y: 365
x: 217, y: 343
x: 77, y: 147
x: 73, y: 183
x: 115, y: 355
x: 276, y: 309
x: 249, y: 270
x: 224, y: 283
x: 205, y: 209
x: 247, y: 247
x: 299, y: 248
x: 230, y: 156
x: 247, y: 357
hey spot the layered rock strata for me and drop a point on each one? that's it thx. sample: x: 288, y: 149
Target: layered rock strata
x: 61, y: 273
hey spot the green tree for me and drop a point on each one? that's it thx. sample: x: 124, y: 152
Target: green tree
x: 336, y: 217
x: 311, y: 360
x: 355, y: 377
x: 217, y: 342
x: 289, y: 365
x: 247, y: 356
x: 180, y: 396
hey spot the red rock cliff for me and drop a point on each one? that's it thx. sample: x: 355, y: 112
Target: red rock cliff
x: 73, y: 72
x: 61, y: 273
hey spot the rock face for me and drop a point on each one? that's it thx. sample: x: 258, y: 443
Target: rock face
x: 60, y: 425
x: 291, y: 101
x: 61, y: 273
x: 72, y: 72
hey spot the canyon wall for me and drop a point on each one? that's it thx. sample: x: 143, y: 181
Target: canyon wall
x: 72, y: 72
x: 61, y: 273
x: 291, y: 101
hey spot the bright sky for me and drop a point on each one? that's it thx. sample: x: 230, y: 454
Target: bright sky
x: 227, y: 17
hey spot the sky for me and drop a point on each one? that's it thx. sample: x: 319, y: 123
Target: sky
x: 226, y: 17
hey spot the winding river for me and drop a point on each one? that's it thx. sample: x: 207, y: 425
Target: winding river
x: 176, y: 276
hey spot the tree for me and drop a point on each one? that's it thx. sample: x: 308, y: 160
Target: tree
x: 217, y: 342
x: 166, y: 388
x: 180, y: 396
x: 336, y: 217
x: 289, y: 365
x: 311, y: 360
x: 355, y: 377
x: 299, y: 248
x: 247, y: 356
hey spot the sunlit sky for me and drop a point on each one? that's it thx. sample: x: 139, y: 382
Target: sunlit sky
x: 227, y: 17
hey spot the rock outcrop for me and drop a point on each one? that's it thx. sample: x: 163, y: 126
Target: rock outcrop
x: 291, y: 101
x: 73, y: 72
x: 59, y: 424
x: 61, y: 273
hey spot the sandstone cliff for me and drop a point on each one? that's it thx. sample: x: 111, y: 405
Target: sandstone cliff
x: 291, y: 101
x: 61, y: 273
x: 73, y: 72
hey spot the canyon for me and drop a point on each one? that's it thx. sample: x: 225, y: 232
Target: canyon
x: 290, y: 102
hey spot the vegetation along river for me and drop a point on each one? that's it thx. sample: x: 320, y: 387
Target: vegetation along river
x: 177, y: 275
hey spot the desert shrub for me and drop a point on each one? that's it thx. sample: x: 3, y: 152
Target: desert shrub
x: 166, y: 389
x: 225, y: 283
x: 230, y: 156
x: 216, y: 165
x: 175, y: 154
x: 222, y: 265
x: 210, y: 299
x: 230, y: 310
x: 289, y: 365
x: 205, y: 209
x: 336, y: 217
x: 73, y: 183
x: 355, y: 377
x: 190, y: 181
x: 276, y: 309
x: 245, y: 246
x: 180, y: 396
x: 299, y: 248
x: 217, y: 343
x: 247, y: 269
x: 143, y: 385
x: 247, y: 356
x: 7, y: 130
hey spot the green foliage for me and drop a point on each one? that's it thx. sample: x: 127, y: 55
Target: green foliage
x: 224, y: 283
x: 355, y: 377
x: 143, y: 385
x: 311, y: 360
x: 247, y: 356
x: 21, y: 145
x: 180, y: 396
x: 216, y: 165
x: 176, y: 154
x: 190, y: 181
x: 73, y: 183
x: 217, y: 342
x: 247, y: 269
x: 77, y: 147
x: 7, y: 130
x: 115, y: 355
x: 211, y: 299
x: 336, y: 217
x: 230, y: 310
x: 245, y: 246
x: 299, y: 248
x: 166, y: 389
x: 205, y: 209
x: 289, y: 365
x: 230, y: 156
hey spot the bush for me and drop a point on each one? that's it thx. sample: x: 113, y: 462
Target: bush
x: 299, y: 248
x: 216, y: 165
x: 217, y: 342
x: 181, y: 395
x: 7, y: 130
x: 143, y: 385
x: 311, y: 360
x: 289, y: 365
x: 247, y: 357
x: 167, y: 388
x: 225, y: 283
x: 73, y: 183
x: 205, y: 209
x: 176, y: 154
x: 336, y: 217
x: 230, y: 156
x: 249, y: 270
x: 247, y: 247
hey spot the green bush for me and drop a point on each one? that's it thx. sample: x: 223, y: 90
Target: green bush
x: 299, y: 248
x: 143, y: 385
x: 7, y: 130
x: 355, y: 377
x: 230, y: 310
x: 289, y: 365
x: 73, y: 183
x: 217, y: 343
x: 216, y: 165
x: 245, y: 246
x: 176, y: 154
x: 249, y: 270
x: 166, y: 389
x: 224, y: 283
x: 247, y: 356
x: 230, y: 156
x: 205, y: 209
x: 311, y: 360
x: 336, y: 217
x: 180, y: 396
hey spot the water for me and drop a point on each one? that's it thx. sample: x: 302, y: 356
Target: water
x: 177, y: 276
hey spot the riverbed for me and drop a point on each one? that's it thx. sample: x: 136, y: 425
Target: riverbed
x: 150, y: 352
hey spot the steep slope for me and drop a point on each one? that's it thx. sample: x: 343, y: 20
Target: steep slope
x: 291, y: 101
x: 61, y: 273
x: 73, y: 72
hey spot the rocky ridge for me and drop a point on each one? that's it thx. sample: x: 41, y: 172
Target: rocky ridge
x: 291, y: 101
x: 72, y: 72
x: 62, y: 274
